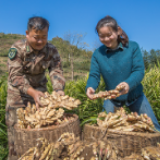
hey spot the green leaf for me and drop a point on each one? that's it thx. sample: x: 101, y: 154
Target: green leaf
x: 91, y: 119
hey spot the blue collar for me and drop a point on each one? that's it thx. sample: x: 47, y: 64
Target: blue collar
x: 120, y: 46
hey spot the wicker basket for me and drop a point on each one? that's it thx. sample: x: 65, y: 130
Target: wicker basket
x: 25, y: 139
x: 126, y: 142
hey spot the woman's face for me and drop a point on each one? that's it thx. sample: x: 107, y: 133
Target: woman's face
x: 108, y: 36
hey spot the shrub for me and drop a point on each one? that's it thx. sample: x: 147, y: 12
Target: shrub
x: 89, y: 109
x: 3, y: 128
x: 66, y: 64
x: 85, y: 66
x: 151, y: 84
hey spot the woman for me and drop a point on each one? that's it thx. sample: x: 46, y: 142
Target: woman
x: 120, y: 62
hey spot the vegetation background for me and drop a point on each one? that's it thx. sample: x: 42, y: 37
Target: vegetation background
x: 76, y: 64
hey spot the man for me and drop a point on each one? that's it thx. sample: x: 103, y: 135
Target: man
x: 27, y: 62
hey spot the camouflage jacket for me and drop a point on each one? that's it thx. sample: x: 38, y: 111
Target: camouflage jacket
x: 27, y: 69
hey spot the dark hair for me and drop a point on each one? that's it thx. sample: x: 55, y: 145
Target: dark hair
x: 110, y: 21
x: 37, y: 23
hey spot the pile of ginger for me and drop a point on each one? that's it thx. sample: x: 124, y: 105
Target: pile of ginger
x: 69, y: 147
x: 120, y: 121
x: 49, y: 113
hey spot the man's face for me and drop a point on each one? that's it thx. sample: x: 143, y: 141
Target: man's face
x: 37, y: 39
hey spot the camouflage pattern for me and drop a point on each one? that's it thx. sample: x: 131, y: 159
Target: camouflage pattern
x: 27, y: 69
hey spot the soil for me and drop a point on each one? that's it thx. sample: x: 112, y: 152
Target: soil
x: 3, y: 60
x: 3, y: 65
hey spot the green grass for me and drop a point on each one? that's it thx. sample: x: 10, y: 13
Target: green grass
x: 2, y: 65
x: 4, y: 53
x: 6, y: 40
x: 3, y: 128
x: 89, y: 109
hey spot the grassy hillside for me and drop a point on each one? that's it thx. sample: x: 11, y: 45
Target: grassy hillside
x: 6, y: 40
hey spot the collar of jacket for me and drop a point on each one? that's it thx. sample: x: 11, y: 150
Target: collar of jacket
x: 120, y: 46
x: 30, y: 50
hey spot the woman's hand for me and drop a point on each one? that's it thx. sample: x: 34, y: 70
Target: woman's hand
x: 90, y: 92
x: 125, y: 90
x: 36, y: 95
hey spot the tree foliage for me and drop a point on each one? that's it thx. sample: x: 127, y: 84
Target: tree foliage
x: 151, y: 58
x: 73, y: 51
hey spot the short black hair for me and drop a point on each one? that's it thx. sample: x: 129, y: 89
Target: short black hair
x: 37, y: 23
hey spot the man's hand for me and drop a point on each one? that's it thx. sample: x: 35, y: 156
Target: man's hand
x: 90, y: 92
x: 36, y: 95
x: 61, y: 93
x: 126, y: 88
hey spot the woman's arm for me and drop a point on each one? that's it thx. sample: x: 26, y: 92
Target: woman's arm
x: 94, y: 75
x: 138, y: 69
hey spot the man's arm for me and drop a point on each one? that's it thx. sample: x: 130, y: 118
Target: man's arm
x: 17, y: 77
x: 15, y: 69
x: 55, y: 71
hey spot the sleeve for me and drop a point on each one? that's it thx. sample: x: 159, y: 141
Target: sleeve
x: 55, y: 71
x: 94, y: 75
x: 15, y: 69
x: 137, y: 72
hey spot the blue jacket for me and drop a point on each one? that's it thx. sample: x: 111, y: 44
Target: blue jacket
x: 124, y: 64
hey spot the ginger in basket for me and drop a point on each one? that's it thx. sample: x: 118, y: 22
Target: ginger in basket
x: 75, y: 148
x: 120, y: 121
x: 38, y: 118
x: 56, y: 101
x: 48, y: 114
x: 133, y: 156
x: 151, y: 152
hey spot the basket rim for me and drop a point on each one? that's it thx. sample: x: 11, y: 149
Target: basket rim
x: 51, y: 127
x: 122, y: 132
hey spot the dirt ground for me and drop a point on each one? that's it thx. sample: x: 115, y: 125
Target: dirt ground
x: 3, y: 65
x: 3, y: 60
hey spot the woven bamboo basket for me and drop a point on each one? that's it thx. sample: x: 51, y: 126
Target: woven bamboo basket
x: 126, y: 142
x: 26, y: 138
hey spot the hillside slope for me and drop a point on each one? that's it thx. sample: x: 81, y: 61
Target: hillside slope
x: 81, y: 56
x: 6, y: 40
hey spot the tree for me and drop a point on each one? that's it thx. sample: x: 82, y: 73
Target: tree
x: 153, y: 56
x: 76, y: 47
x: 146, y: 57
x: 96, y: 44
x: 61, y: 45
